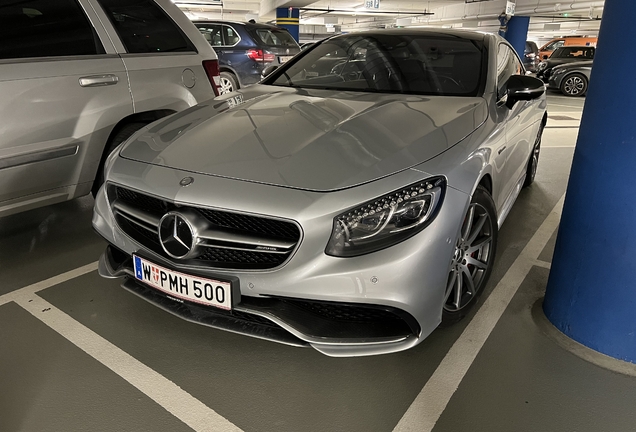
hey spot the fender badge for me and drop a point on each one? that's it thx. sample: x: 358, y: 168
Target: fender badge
x: 186, y: 181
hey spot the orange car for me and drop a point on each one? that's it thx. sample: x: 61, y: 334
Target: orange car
x: 546, y: 50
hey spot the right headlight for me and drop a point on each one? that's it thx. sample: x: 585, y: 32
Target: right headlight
x: 387, y: 220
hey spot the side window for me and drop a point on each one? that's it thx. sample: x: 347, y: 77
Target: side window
x: 230, y: 35
x: 144, y: 27
x: 211, y: 33
x: 507, y: 65
x: 45, y: 28
x: 554, y: 45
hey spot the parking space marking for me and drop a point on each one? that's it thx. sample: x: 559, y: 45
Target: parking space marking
x: 169, y: 395
x: 564, y: 105
x: 431, y: 402
x: 543, y: 264
x: 47, y: 283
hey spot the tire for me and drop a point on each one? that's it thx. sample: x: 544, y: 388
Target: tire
x: 122, y: 135
x: 574, y: 85
x: 228, y: 83
x: 472, y: 261
x: 533, y: 162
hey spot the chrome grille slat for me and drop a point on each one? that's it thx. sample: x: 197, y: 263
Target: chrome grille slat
x: 221, y: 236
x: 238, y: 248
x: 147, y: 220
x: 232, y: 240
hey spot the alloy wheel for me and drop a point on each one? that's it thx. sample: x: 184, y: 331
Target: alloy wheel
x: 574, y: 85
x: 535, y: 156
x: 226, y: 86
x: 471, y: 259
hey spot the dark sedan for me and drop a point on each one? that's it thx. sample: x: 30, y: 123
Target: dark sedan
x: 571, y: 79
x: 564, y: 55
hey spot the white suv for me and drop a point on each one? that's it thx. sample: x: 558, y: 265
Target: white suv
x: 78, y: 77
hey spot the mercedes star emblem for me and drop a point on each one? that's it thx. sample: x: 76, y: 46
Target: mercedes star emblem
x: 177, y: 235
x: 186, y: 181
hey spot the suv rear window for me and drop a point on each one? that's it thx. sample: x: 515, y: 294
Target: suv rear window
x: 45, y: 28
x: 274, y: 37
x: 144, y: 27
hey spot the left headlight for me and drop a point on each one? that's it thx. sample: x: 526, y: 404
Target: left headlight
x: 543, y: 65
x: 387, y: 220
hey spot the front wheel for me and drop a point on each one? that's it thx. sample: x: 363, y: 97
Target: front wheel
x: 533, y: 162
x: 574, y: 85
x: 473, y: 257
x: 228, y: 83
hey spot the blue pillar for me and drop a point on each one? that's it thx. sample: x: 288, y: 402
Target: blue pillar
x: 517, y: 33
x: 288, y: 18
x: 591, y: 293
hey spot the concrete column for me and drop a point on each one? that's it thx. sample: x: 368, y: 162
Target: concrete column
x: 517, y: 33
x: 591, y: 293
x: 288, y: 18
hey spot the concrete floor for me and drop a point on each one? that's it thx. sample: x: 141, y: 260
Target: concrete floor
x: 78, y: 353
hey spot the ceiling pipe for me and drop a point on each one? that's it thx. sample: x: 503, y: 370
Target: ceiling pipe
x: 558, y: 7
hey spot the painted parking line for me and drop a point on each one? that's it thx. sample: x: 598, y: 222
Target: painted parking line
x: 543, y: 264
x: 164, y: 392
x: 431, y: 402
x: 47, y: 283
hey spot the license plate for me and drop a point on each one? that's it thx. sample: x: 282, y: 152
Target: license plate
x: 284, y: 59
x: 181, y: 286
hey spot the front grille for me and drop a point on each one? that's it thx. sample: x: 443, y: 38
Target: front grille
x: 138, y: 215
x: 239, y: 222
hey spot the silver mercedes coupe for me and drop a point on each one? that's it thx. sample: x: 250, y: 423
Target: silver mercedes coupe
x: 349, y: 202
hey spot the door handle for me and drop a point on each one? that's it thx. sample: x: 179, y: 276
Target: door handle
x: 501, y: 150
x: 98, y: 80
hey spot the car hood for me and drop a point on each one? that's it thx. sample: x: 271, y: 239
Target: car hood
x: 318, y: 140
x: 553, y: 62
x: 578, y: 64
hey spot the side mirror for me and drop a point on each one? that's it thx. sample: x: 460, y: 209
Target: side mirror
x: 268, y: 70
x: 522, y: 87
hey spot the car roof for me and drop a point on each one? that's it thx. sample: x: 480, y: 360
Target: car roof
x: 243, y: 23
x: 576, y: 46
x: 465, y: 34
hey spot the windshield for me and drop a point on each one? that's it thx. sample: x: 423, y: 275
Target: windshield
x: 275, y: 37
x: 409, y: 64
x: 582, y: 53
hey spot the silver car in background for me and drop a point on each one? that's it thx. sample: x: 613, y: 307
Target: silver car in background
x: 78, y: 77
x: 349, y: 202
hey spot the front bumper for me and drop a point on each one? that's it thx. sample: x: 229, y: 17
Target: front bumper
x: 401, y: 287
x: 555, y: 81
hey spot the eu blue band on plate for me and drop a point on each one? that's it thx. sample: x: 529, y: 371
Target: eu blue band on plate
x: 138, y: 269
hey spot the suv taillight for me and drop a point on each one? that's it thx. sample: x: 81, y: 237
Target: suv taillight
x: 212, y: 71
x: 260, y: 56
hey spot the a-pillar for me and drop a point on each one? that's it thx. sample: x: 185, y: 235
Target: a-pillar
x: 517, y: 33
x: 591, y: 293
x: 288, y: 18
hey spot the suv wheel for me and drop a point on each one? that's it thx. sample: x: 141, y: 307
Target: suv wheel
x: 228, y: 83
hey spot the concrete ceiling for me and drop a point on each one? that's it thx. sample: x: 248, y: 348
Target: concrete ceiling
x: 564, y: 17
